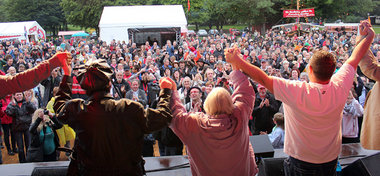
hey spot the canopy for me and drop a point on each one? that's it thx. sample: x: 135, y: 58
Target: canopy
x: 80, y: 34
x: 117, y: 20
x: 68, y: 32
x: 20, y: 30
x: 143, y: 16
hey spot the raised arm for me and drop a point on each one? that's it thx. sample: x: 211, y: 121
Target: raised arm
x: 63, y: 94
x: 159, y: 117
x: 234, y: 57
x: 32, y: 77
x: 244, y: 95
x: 367, y: 34
x: 370, y: 67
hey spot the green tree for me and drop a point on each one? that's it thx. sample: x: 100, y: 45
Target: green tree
x: 86, y: 13
x: 217, y: 12
x: 47, y: 13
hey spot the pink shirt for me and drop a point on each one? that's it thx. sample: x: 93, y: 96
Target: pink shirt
x: 313, y: 115
x: 218, y: 145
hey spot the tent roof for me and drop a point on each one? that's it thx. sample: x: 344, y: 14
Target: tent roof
x: 143, y: 16
x: 16, y: 28
x: 342, y: 24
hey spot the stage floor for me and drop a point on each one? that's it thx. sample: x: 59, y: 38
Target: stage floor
x: 177, y: 165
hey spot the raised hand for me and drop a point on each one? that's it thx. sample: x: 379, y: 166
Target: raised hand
x: 174, y: 85
x: 165, y: 83
x: 63, y: 57
x: 232, y: 56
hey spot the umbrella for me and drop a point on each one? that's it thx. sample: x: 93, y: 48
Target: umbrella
x: 80, y: 34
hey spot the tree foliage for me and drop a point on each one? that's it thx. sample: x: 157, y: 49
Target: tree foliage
x: 47, y: 13
x: 86, y: 13
x: 52, y: 14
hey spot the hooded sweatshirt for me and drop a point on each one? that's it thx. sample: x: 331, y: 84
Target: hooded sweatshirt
x: 218, y: 145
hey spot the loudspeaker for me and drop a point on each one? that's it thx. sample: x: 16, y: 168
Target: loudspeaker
x: 272, y: 167
x: 50, y: 171
x: 262, y: 146
x: 368, y: 166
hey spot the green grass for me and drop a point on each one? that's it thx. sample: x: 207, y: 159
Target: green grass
x: 74, y: 28
x: 376, y: 28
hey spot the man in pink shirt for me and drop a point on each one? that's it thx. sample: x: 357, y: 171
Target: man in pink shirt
x: 313, y: 111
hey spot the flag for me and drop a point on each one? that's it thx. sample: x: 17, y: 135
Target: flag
x: 188, y: 5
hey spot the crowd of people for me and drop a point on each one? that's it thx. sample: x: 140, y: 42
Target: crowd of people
x: 197, y: 66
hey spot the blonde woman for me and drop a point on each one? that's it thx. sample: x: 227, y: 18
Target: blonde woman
x: 30, y: 95
x: 217, y: 141
x: 198, y: 80
x: 44, y: 138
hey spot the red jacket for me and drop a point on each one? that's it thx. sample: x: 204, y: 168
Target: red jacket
x: 5, y: 119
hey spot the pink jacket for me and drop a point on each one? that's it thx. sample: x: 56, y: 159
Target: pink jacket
x: 218, y: 145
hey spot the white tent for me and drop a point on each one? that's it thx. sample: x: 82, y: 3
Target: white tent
x: 29, y: 30
x: 140, y: 22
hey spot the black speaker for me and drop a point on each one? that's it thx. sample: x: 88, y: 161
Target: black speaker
x: 262, y: 146
x: 50, y: 171
x: 368, y: 166
x: 272, y: 167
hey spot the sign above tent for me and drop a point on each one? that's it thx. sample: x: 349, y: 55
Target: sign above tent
x: 298, y: 13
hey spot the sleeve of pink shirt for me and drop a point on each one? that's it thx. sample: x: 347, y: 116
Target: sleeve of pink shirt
x: 243, y: 96
x: 344, y: 77
x: 182, y: 122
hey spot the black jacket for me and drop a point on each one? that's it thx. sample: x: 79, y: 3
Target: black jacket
x: 263, y: 116
x: 49, y: 85
x: 22, y: 116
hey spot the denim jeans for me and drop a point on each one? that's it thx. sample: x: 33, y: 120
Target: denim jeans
x: 22, y: 136
x: 295, y: 167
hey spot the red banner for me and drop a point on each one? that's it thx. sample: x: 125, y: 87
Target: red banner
x: 291, y: 13
x: 298, y: 13
x: 307, y: 13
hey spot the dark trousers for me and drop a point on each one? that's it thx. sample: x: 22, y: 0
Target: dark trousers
x: 170, y: 151
x: 7, y: 128
x: 295, y: 167
x: 51, y: 157
x: 22, y: 137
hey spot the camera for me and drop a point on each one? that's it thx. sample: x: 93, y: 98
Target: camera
x: 46, y: 112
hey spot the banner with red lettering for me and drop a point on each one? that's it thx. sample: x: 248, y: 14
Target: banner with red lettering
x: 291, y: 13
x: 307, y: 13
x: 298, y: 13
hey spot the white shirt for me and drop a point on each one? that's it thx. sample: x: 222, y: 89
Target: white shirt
x: 313, y: 115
